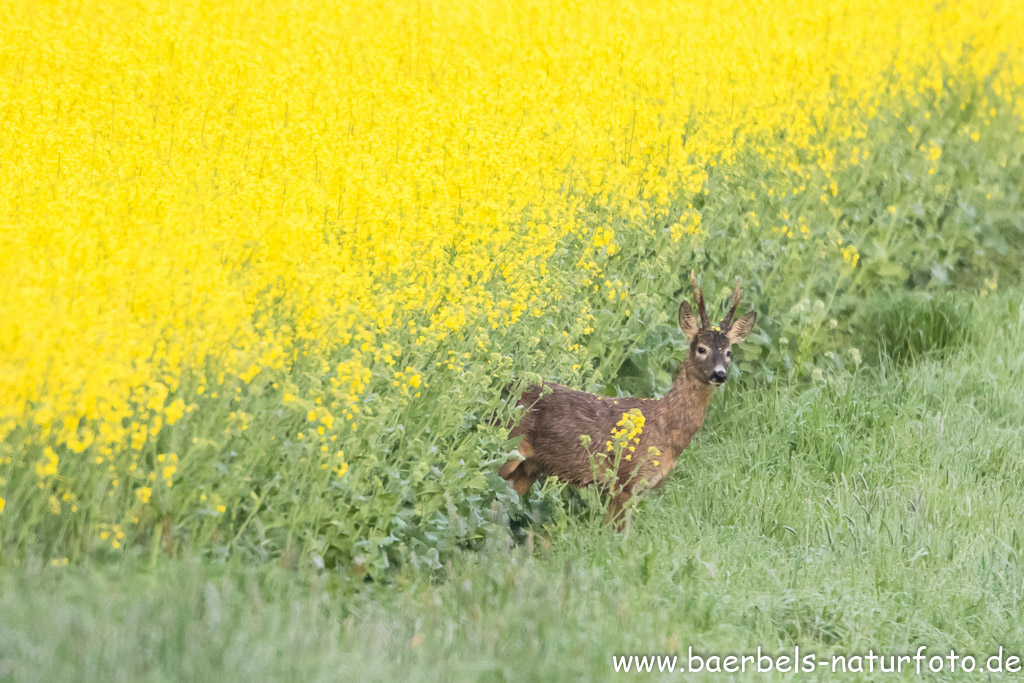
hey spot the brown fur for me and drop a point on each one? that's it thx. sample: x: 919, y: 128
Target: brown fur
x: 558, y: 420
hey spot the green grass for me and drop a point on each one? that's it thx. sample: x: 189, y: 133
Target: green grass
x: 914, y: 324
x: 879, y: 507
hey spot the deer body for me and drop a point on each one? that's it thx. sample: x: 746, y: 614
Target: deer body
x: 566, y: 433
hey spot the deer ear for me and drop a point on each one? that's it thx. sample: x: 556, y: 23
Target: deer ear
x: 741, y: 328
x: 687, y: 320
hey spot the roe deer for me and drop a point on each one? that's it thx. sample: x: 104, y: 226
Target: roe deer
x: 568, y: 434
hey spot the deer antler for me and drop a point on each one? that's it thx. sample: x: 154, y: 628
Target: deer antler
x: 727, y: 320
x: 698, y: 297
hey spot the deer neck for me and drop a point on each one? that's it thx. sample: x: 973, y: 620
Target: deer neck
x: 685, y: 406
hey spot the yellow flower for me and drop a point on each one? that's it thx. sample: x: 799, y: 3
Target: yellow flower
x: 453, y: 196
x: 174, y: 411
x: 47, y: 465
x: 143, y: 493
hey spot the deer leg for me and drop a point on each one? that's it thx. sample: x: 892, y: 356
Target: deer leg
x: 523, y: 482
x: 617, y: 514
x: 520, y: 473
x: 507, y: 470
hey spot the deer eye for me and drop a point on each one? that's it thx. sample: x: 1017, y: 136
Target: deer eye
x: 702, y: 350
x: 728, y: 354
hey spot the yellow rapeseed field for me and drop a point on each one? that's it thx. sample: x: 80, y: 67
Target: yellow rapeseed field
x: 194, y: 195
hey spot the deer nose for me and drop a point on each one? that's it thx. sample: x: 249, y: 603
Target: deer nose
x: 718, y: 376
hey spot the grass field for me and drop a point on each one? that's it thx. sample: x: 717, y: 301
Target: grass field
x: 269, y: 270
x: 879, y: 509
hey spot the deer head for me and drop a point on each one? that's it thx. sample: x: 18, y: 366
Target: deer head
x: 711, y: 345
